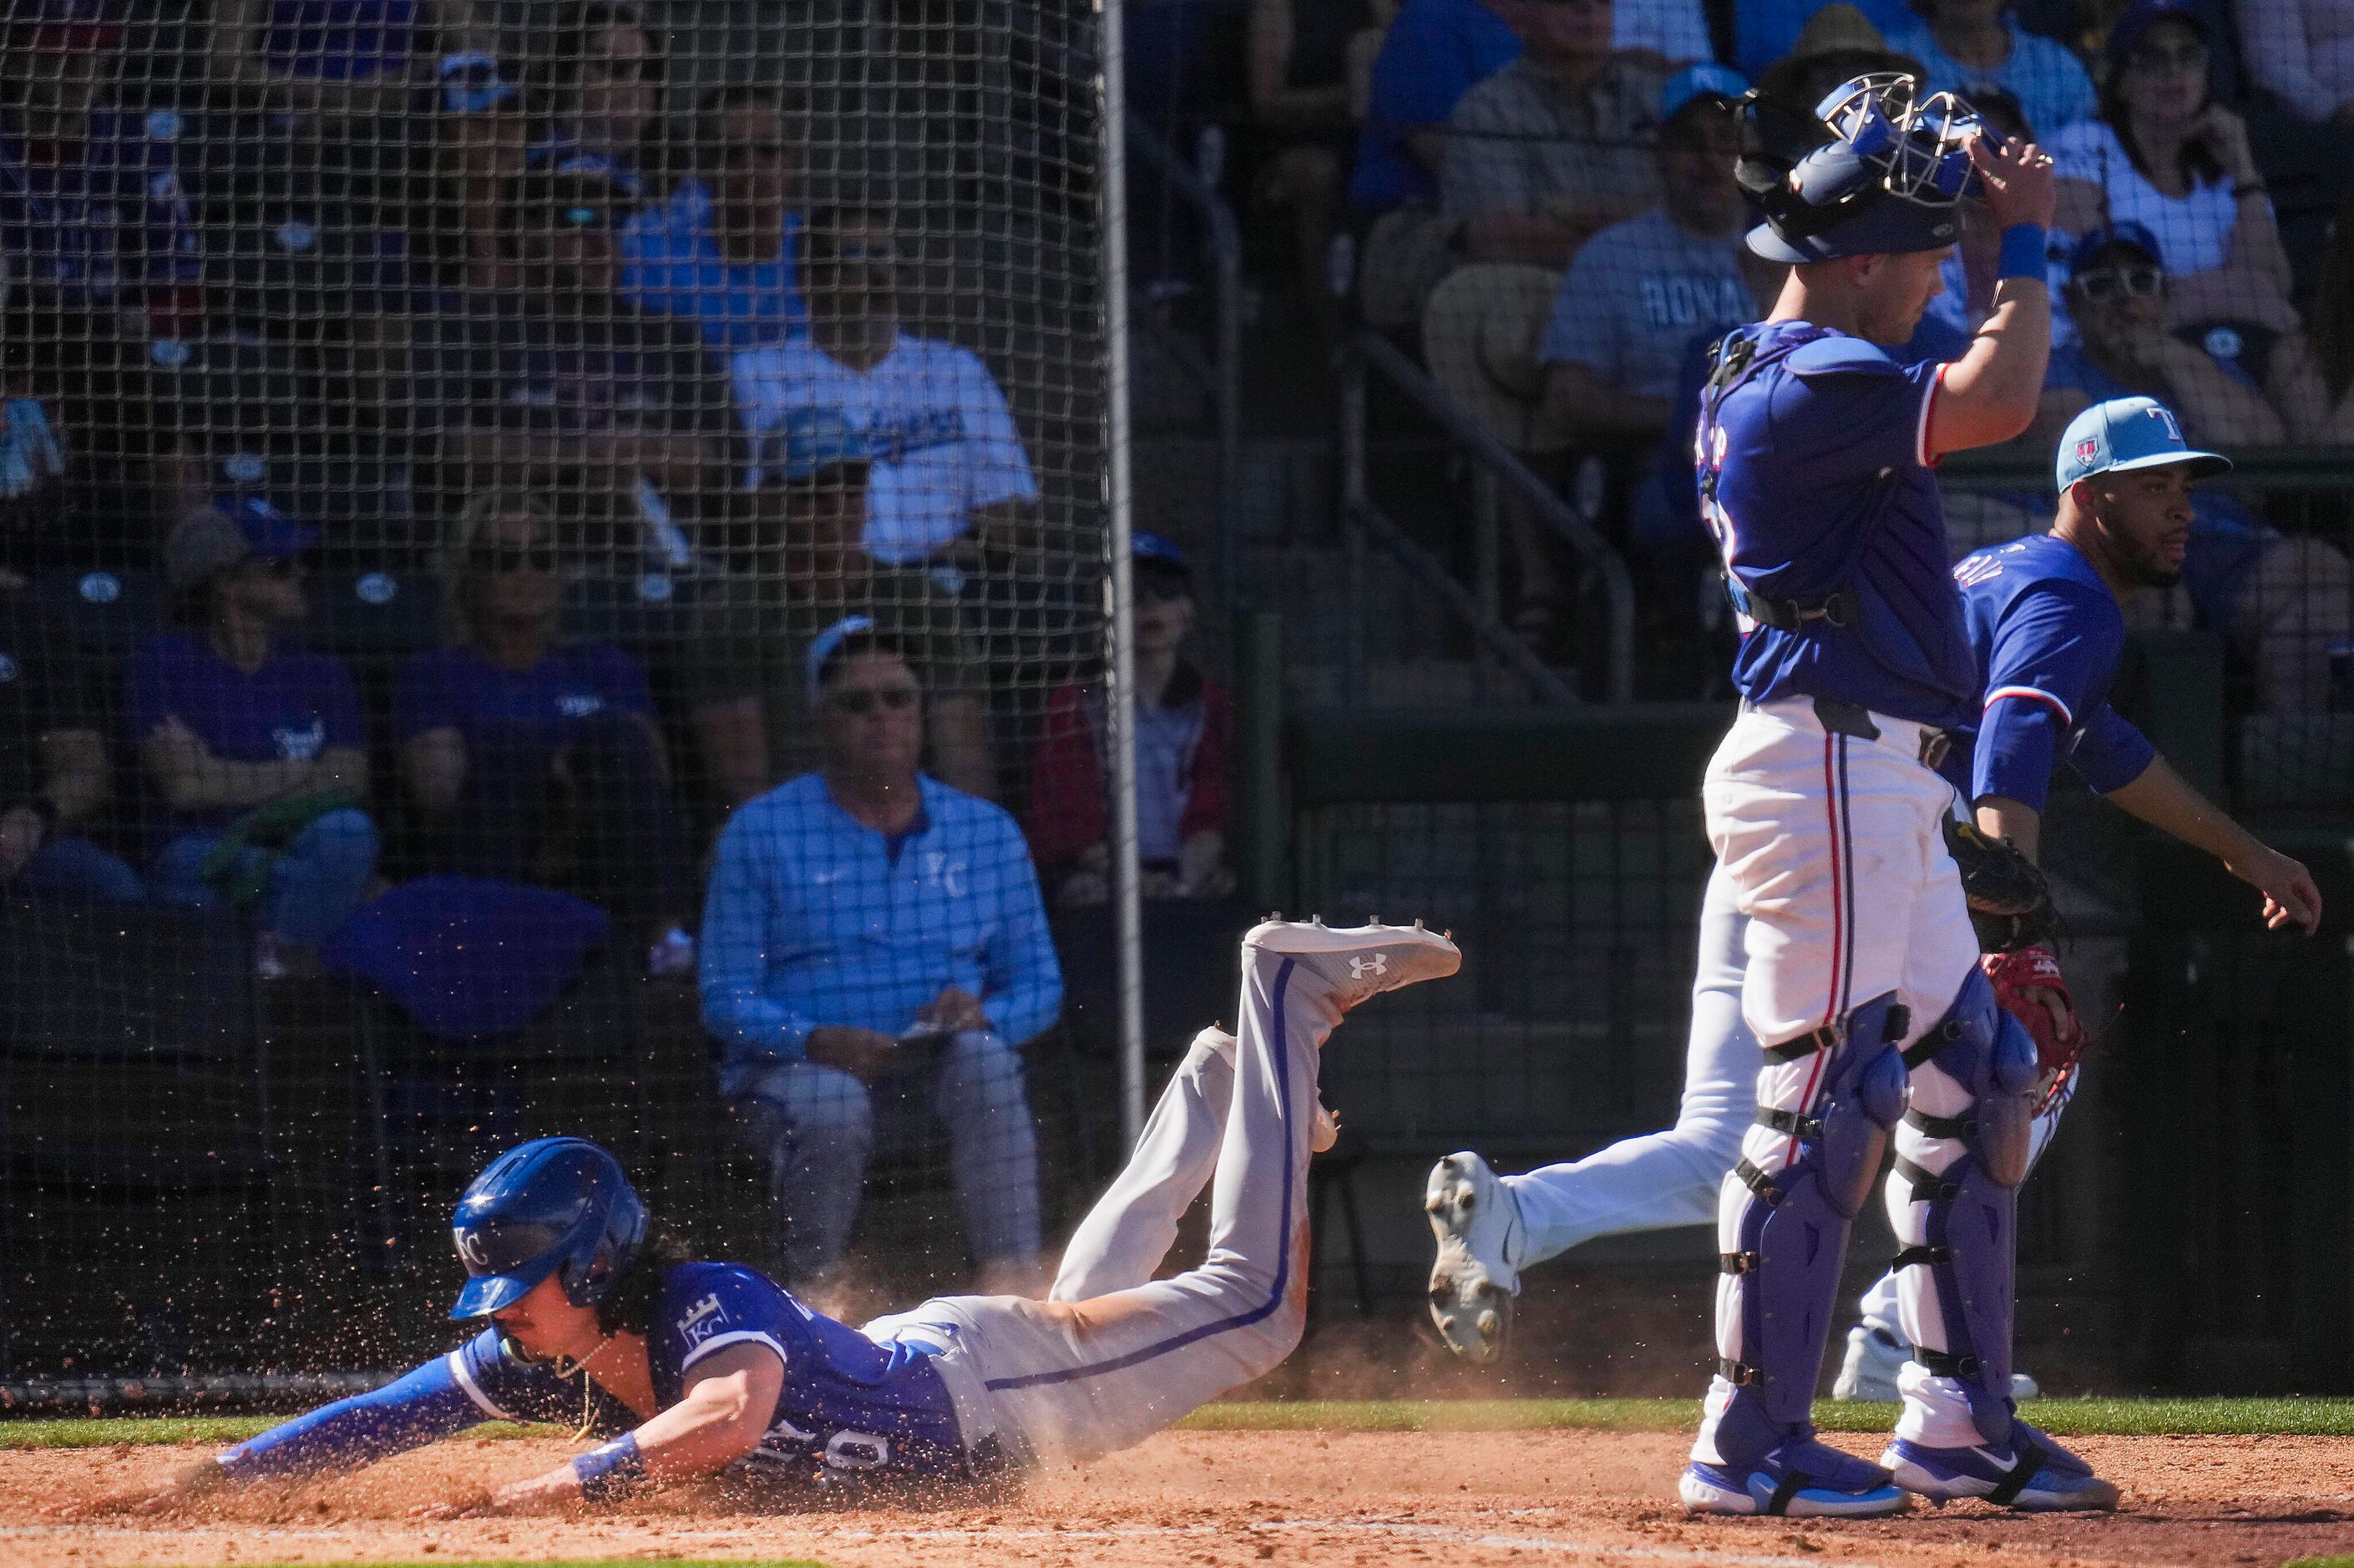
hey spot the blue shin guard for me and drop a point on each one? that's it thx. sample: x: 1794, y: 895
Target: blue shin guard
x: 1964, y: 1170
x: 1794, y: 1228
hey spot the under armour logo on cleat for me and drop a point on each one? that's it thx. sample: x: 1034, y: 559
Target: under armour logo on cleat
x: 1369, y: 969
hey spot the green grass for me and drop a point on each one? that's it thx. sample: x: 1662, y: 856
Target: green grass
x: 2080, y: 1417
x: 2077, y: 1417
x: 2321, y: 1562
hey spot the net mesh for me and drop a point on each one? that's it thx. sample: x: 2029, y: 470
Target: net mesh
x: 459, y: 458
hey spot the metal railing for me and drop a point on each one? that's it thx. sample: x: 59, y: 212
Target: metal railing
x: 1224, y: 242
x: 1498, y: 469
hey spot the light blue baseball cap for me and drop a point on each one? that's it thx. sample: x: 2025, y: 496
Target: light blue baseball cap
x: 2128, y: 433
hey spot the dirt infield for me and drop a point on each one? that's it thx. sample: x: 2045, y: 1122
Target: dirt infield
x: 1467, y: 1500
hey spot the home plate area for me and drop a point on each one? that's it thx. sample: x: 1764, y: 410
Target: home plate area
x: 1464, y: 1499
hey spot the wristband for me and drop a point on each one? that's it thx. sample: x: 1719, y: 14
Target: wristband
x: 614, y: 1469
x: 2023, y: 253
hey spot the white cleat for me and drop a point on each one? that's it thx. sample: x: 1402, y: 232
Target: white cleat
x: 1477, y: 1274
x: 1874, y: 1357
x: 1357, y: 962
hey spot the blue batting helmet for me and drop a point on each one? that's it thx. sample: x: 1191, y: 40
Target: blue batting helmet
x: 556, y: 1206
x: 1891, y: 179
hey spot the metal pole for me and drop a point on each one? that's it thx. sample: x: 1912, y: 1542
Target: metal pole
x: 1127, y: 885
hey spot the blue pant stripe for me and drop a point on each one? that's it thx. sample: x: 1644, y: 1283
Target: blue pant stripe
x: 1283, y: 1243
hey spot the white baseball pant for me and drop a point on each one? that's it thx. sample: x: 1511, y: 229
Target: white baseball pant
x: 1077, y: 1376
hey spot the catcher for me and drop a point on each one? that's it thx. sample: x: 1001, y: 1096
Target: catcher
x: 591, y: 1315
x: 2043, y: 616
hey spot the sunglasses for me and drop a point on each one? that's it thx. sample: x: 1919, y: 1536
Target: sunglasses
x: 622, y: 70
x: 862, y: 702
x: 2156, y: 57
x: 2119, y: 284
x: 499, y: 559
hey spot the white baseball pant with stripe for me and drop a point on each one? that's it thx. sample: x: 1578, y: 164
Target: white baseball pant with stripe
x: 1084, y: 1374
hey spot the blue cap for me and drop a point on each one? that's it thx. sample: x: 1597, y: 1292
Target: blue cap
x: 2108, y: 236
x: 2128, y: 433
x: 1705, y: 79
x: 1153, y: 547
x: 267, y: 530
x: 825, y: 644
x: 811, y: 440
x: 2127, y: 30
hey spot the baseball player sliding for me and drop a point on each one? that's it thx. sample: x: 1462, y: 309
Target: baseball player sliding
x: 2047, y: 634
x: 692, y: 1368
x: 1859, y: 960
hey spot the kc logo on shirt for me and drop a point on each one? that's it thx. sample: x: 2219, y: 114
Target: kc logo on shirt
x: 703, y: 1319
x: 301, y: 743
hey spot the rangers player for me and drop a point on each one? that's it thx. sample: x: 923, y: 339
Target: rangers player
x: 1814, y: 452
x: 694, y: 1368
x: 2048, y: 634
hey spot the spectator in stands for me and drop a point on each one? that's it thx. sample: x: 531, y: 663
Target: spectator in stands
x: 479, y: 142
x: 1665, y: 35
x: 1432, y: 54
x: 90, y: 207
x: 1838, y: 43
x: 1185, y: 726
x: 255, y: 749
x: 1639, y: 291
x: 532, y: 759
x: 723, y: 250
x: 1557, y: 146
x: 54, y: 770
x: 576, y: 388
x: 351, y: 60
x: 2301, y: 51
x: 2165, y: 155
x: 1766, y: 31
x: 603, y: 78
x: 1976, y: 46
x: 807, y: 568
x: 949, y: 480
x: 2245, y: 381
x: 872, y: 936
x: 1299, y: 71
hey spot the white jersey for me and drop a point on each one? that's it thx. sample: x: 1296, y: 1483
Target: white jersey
x: 945, y: 442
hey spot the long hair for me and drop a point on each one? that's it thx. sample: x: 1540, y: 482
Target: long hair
x: 630, y: 1308
x: 2197, y: 163
x: 455, y: 566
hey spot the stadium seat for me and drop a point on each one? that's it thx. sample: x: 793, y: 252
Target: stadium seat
x: 107, y: 610
x: 379, y: 612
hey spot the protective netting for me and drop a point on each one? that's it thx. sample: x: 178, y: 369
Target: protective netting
x: 458, y: 456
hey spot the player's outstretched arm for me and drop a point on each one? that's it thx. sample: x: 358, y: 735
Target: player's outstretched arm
x: 428, y: 1404
x: 1991, y: 393
x: 729, y: 1399
x: 2165, y: 799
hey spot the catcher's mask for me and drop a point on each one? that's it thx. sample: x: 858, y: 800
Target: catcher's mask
x: 1891, y: 179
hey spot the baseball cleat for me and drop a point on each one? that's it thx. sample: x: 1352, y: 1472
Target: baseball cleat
x: 1477, y: 1275
x: 1357, y: 962
x: 2030, y: 1473
x: 1874, y: 1357
x: 1800, y: 1478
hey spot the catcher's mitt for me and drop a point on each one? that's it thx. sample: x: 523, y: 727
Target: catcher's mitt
x: 2010, y: 903
x: 2060, y: 1037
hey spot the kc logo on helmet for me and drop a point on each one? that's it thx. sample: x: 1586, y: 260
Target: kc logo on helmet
x: 470, y: 1250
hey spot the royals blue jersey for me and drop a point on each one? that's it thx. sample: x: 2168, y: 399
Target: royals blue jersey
x: 2048, y: 636
x: 849, y: 1403
x: 1816, y: 456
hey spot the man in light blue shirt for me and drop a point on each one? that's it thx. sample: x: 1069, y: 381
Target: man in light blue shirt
x: 871, y: 938
x: 725, y: 251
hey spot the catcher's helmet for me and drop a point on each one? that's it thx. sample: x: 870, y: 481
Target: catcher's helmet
x: 555, y: 1205
x: 1891, y: 177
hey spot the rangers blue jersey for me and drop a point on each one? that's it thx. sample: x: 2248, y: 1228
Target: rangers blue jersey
x: 2048, y: 635
x: 1814, y: 474
x: 849, y: 1403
